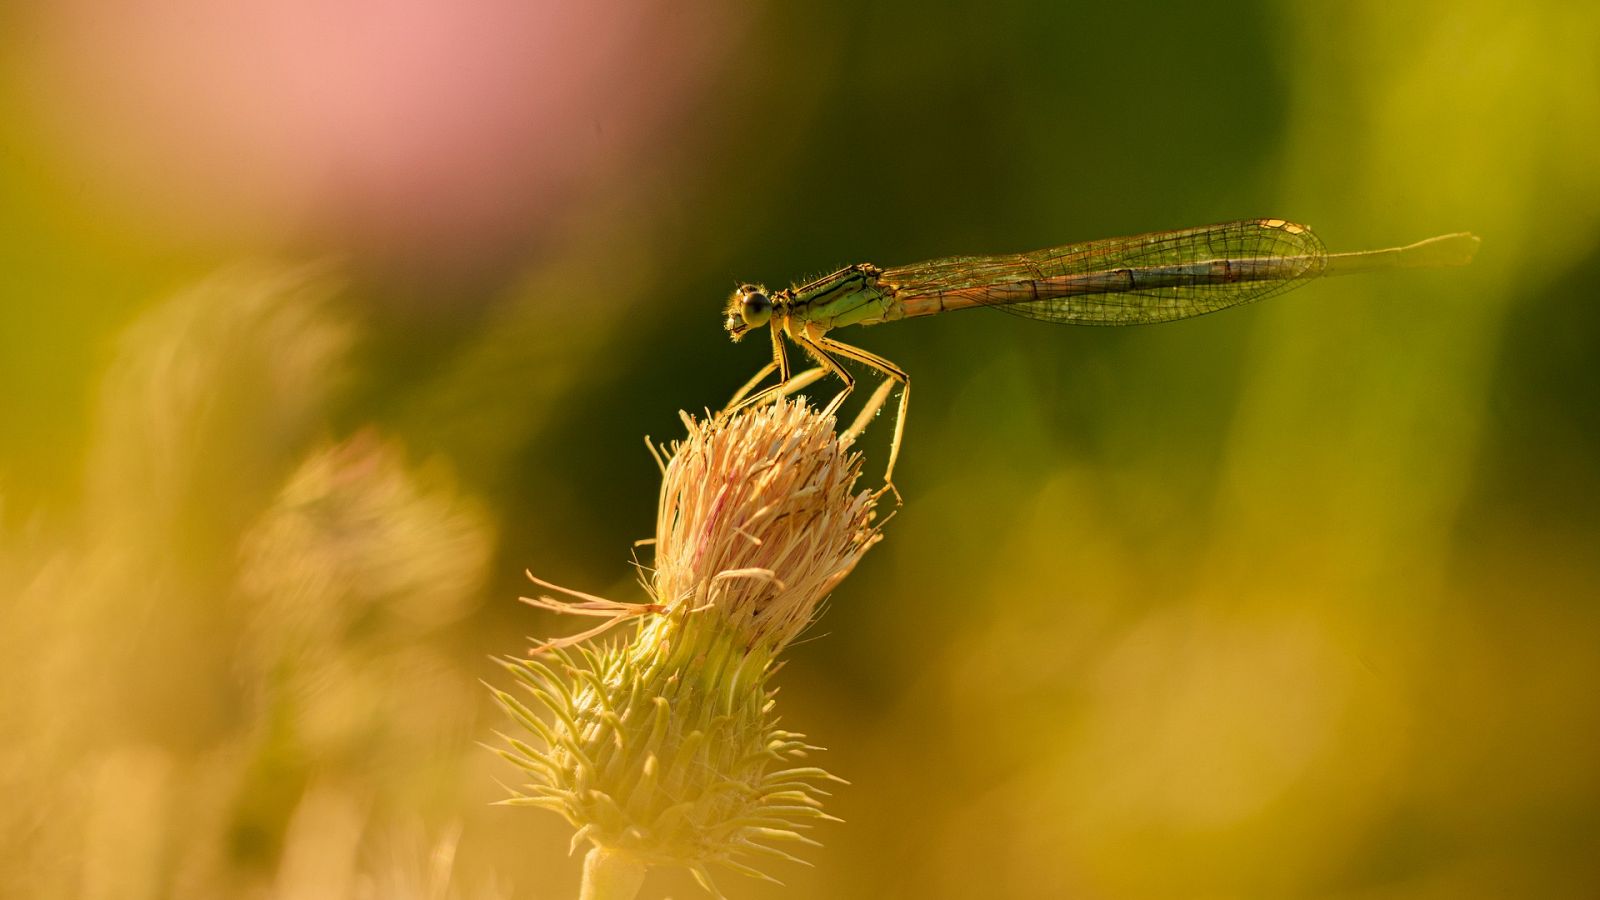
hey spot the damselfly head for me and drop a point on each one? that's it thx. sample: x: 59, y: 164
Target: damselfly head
x: 748, y: 308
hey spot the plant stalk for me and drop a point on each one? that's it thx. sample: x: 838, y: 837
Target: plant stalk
x: 611, y: 875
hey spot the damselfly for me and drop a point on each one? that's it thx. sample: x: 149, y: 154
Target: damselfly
x: 1154, y: 277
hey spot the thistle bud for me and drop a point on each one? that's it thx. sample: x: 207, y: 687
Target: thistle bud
x: 664, y: 749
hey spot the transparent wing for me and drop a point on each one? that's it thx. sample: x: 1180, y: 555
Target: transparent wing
x: 1154, y: 277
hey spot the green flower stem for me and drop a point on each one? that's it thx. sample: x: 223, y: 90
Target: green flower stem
x: 611, y: 875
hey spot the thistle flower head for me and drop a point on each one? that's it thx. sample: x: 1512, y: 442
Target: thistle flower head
x: 758, y: 520
x: 664, y: 749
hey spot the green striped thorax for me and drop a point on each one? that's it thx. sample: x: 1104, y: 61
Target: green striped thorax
x: 853, y: 295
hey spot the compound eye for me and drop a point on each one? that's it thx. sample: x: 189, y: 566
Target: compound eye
x: 756, y: 310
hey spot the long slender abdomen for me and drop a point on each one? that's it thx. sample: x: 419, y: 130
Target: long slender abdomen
x: 1117, y: 281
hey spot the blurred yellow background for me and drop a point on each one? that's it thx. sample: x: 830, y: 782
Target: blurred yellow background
x: 321, y: 322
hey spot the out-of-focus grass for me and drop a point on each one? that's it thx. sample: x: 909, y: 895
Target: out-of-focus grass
x: 1297, y: 600
x: 237, y: 665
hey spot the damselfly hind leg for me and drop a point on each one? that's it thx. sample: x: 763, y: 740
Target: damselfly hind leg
x: 893, y: 373
x: 864, y: 417
x: 868, y: 411
x: 814, y: 346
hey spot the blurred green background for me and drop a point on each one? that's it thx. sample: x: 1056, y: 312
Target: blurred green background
x: 320, y: 323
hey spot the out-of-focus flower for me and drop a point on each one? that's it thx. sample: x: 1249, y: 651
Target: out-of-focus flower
x: 426, y: 130
x: 211, y: 398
